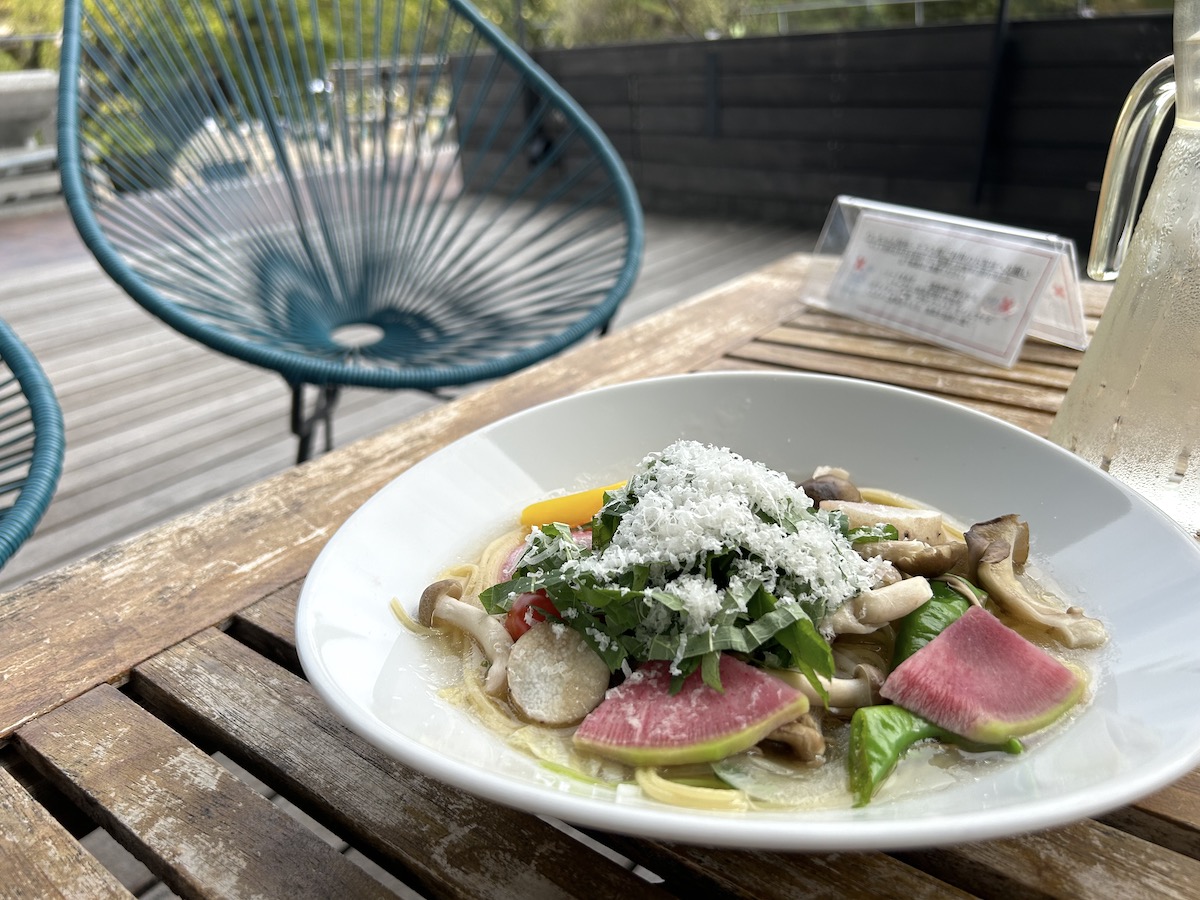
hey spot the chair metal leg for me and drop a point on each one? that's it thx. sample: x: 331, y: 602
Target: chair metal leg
x: 305, y: 422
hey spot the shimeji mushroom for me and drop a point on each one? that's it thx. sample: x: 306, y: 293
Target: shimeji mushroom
x: 994, y: 548
x: 870, y: 610
x: 441, y: 604
x: 803, y: 737
x: 860, y: 689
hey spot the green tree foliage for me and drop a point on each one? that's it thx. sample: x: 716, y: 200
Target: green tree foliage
x: 30, y: 16
x: 20, y: 18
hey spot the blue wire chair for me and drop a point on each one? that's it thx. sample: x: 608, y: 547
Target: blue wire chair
x: 31, y: 443
x: 381, y: 193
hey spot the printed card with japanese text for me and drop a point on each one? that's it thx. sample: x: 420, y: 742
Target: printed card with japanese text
x: 972, y: 290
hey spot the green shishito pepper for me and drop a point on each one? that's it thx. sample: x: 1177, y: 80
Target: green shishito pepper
x: 880, y: 735
x: 928, y: 620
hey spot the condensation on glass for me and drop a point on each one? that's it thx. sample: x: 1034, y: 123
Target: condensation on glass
x: 1134, y: 406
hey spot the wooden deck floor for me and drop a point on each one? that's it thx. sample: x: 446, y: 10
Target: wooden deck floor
x: 157, y: 425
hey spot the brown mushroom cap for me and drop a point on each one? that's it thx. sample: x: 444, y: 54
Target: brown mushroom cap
x: 997, y: 539
x: 829, y: 487
x: 447, y: 587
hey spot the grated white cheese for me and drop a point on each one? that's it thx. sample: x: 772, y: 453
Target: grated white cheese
x: 692, y: 500
x: 701, y: 598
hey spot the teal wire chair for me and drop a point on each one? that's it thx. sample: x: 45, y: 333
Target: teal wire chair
x: 380, y: 193
x: 31, y: 443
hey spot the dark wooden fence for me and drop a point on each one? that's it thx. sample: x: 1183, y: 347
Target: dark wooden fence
x: 775, y: 128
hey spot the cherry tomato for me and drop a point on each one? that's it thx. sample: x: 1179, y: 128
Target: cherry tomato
x: 527, y: 610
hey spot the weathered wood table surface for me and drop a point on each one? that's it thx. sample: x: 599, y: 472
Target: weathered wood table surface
x: 122, y: 675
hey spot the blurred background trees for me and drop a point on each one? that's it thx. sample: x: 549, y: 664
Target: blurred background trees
x: 568, y: 23
x: 22, y: 23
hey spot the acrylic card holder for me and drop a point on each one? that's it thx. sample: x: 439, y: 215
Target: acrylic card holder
x: 972, y: 286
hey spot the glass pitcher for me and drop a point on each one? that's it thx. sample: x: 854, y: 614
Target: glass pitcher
x: 1134, y: 406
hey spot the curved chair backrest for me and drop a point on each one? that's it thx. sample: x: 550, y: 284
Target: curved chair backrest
x: 31, y: 443
x: 385, y: 193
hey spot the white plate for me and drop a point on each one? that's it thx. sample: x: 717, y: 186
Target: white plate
x: 1110, y: 551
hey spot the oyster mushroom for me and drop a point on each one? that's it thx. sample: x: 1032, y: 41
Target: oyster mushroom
x: 916, y: 557
x: 441, y: 605
x: 872, y: 609
x: 994, y: 548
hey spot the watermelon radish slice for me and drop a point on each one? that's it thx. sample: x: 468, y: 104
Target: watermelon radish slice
x: 982, y: 680
x: 641, y: 723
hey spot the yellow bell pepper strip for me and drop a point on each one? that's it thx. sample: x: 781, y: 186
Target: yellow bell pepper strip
x: 574, y: 510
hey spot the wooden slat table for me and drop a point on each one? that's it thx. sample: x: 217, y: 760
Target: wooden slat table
x: 121, y: 676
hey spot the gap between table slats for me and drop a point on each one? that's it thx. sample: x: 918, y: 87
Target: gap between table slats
x: 801, y: 333
x: 1036, y: 422
x: 41, y: 859
x: 273, y: 723
x: 195, y: 825
x: 1034, y: 351
x: 908, y: 375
